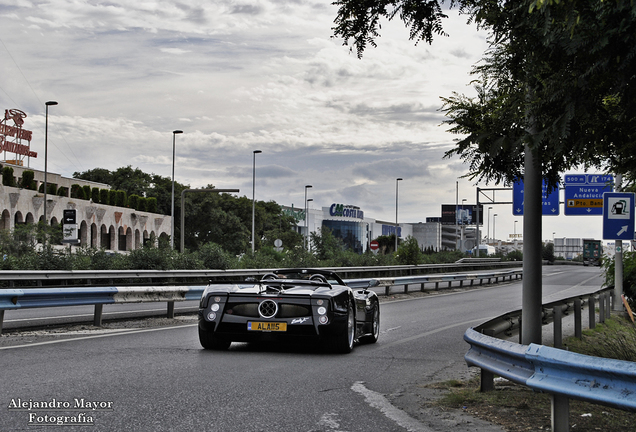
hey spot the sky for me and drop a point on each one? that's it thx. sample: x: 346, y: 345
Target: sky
x: 239, y: 76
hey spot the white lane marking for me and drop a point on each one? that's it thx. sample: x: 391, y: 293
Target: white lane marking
x: 378, y: 401
x: 330, y: 421
x: 123, y: 332
x: 441, y: 329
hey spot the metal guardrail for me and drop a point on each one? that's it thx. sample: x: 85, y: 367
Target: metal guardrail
x: 14, y: 299
x: 40, y: 277
x: 561, y: 373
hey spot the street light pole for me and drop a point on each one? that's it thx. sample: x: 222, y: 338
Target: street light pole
x: 396, y: 212
x: 494, y: 237
x: 174, y: 134
x: 488, y: 228
x: 306, y: 217
x: 462, y: 228
x: 253, y: 193
x: 46, y: 158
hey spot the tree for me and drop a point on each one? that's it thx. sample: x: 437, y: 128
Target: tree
x: 558, y: 77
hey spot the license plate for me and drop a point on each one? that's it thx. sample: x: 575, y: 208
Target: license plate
x: 266, y: 326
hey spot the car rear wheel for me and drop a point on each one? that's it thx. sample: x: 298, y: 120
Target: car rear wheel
x: 343, y: 341
x: 375, y: 327
x: 210, y: 341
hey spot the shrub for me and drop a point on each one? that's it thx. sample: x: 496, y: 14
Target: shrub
x: 133, y: 201
x: 95, y: 195
x: 7, y: 177
x: 142, y: 204
x: 87, y: 192
x: 27, y: 180
x: 112, y: 197
x: 212, y: 256
x: 104, y: 196
x: 75, y: 190
x: 151, y: 205
x: 63, y: 191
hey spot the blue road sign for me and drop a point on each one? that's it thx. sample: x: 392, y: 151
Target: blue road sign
x: 550, y: 202
x: 584, y: 193
x: 618, y: 216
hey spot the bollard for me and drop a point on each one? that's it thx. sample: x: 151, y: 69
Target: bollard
x: 608, y: 307
x: 171, y: 309
x: 1, y: 319
x: 422, y: 287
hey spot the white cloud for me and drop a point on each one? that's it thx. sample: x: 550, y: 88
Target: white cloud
x: 240, y: 76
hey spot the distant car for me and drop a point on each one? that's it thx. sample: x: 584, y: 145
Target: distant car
x: 302, y: 305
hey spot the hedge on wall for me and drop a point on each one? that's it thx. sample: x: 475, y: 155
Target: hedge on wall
x: 133, y: 201
x: 151, y: 205
x: 104, y: 196
x: 87, y: 191
x: 95, y: 195
x: 142, y: 204
x: 27, y: 179
x: 7, y: 176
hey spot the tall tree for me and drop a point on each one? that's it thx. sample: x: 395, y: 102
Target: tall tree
x: 558, y: 75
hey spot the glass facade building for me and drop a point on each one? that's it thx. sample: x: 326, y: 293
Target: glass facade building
x: 351, y: 233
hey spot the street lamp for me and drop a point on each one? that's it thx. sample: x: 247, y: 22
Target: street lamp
x: 488, y: 228
x: 494, y: 237
x: 306, y: 217
x: 174, y: 134
x: 46, y: 157
x: 396, y: 212
x: 462, y: 228
x: 515, y: 229
x: 253, y: 193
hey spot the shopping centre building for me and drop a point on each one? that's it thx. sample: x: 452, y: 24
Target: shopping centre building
x: 98, y: 225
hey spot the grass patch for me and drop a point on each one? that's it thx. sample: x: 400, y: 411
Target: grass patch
x: 516, y: 408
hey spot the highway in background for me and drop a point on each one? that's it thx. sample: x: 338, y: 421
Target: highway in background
x: 159, y: 378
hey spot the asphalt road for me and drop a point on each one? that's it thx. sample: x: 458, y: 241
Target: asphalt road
x: 159, y: 379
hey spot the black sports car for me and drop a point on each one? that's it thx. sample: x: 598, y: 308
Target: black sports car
x: 289, y: 305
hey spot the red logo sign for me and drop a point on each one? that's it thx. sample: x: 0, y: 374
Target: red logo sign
x: 374, y: 245
x: 15, y: 131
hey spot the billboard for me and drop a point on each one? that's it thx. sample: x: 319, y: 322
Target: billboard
x: 462, y: 214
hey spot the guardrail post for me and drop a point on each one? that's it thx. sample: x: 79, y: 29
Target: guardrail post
x: 97, y: 318
x: 387, y: 290
x: 601, y: 308
x: 592, y: 311
x: 608, y: 306
x: 487, y: 378
x: 558, y: 326
x: 436, y: 286
x: 171, y: 309
x: 422, y: 287
x: 1, y: 319
x: 406, y: 288
x: 560, y: 413
x: 578, y: 325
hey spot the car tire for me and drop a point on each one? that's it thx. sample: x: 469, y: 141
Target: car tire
x: 211, y: 342
x: 343, y: 341
x: 375, y: 327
